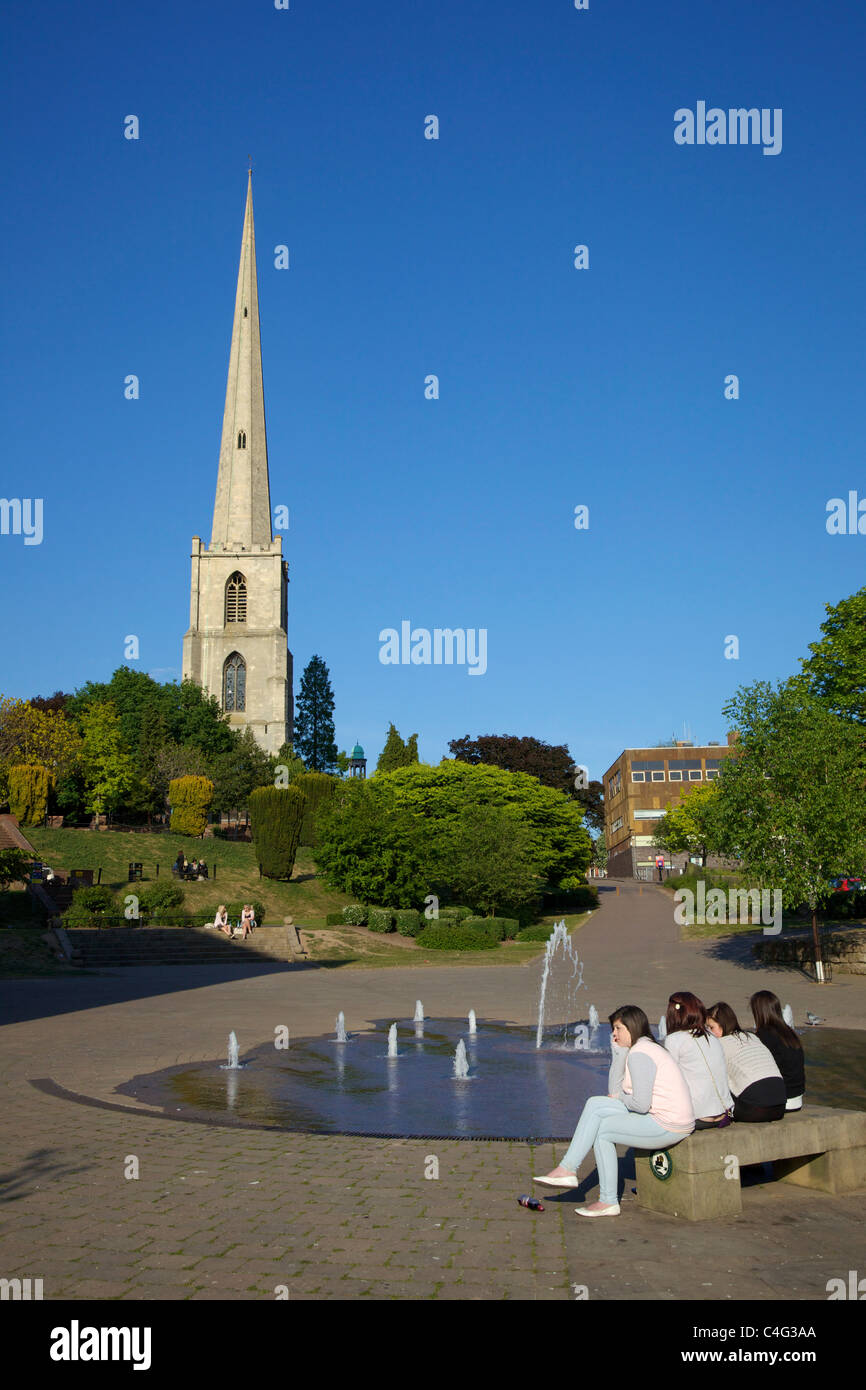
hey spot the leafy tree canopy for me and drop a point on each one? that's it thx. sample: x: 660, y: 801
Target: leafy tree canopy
x: 836, y: 670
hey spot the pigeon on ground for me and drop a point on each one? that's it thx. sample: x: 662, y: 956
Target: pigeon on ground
x: 813, y: 1020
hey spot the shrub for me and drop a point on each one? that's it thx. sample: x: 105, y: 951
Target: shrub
x: 408, y: 921
x: 539, y: 932
x: 380, y: 919
x: 189, y: 798
x: 580, y: 899
x: 160, y: 897
x: 443, y: 936
x: 277, y: 814
x: 492, y: 926
x: 95, y: 906
x: 29, y: 788
x: 355, y: 915
x: 317, y: 787
x: 510, y: 927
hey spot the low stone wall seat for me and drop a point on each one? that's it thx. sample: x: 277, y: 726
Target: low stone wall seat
x: 816, y: 1147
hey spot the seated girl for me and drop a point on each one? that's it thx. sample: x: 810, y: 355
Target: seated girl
x: 648, y: 1108
x: 784, y: 1044
x: 756, y: 1082
x: 700, y: 1058
x: 248, y: 920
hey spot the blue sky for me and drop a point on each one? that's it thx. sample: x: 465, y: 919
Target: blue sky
x: 558, y: 387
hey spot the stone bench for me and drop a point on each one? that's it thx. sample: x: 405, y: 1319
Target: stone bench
x: 815, y: 1147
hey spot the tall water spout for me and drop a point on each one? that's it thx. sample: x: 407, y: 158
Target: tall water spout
x: 461, y: 1066
x: 392, y: 1040
x: 558, y: 938
x: 341, y: 1027
x: 419, y: 1012
x: 593, y: 1017
x: 663, y: 1029
x: 788, y: 1015
x: 233, y: 1064
x: 473, y: 1028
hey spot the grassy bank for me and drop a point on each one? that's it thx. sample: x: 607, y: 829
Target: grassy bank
x: 356, y: 947
x: 234, y: 874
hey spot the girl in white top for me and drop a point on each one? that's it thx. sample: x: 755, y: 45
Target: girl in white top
x: 222, y: 920
x: 756, y: 1081
x: 700, y: 1058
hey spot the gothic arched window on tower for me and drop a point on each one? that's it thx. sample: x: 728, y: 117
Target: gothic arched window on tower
x: 235, y: 684
x: 236, y: 599
x: 242, y: 439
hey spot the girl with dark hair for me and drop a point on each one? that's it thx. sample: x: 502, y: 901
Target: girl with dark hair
x: 756, y: 1082
x: 784, y: 1044
x: 701, y: 1059
x: 648, y: 1107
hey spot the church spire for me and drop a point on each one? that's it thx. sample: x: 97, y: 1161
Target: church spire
x: 242, y: 511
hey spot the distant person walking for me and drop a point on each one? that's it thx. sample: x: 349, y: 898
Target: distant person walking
x: 660, y: 865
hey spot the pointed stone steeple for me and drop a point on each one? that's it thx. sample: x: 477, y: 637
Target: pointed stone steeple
x: 242, y: 511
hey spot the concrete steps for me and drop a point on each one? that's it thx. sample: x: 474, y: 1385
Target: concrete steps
x: 115, y: 946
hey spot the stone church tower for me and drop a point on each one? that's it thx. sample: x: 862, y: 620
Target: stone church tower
x: 237, y: 643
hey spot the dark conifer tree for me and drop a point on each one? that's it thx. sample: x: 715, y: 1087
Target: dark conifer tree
x: 314, y: 719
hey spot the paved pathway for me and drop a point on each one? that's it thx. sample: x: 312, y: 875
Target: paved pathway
x: 219, y: 1213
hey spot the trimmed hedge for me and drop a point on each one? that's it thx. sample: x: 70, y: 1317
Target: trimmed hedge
x: 408, y: 921
x: 317, y: 788
x: 380, y: 919
x: 190, y: 798
x: 277, y: 814
x: 539, y: 932
x: 444, y: 936
x: 581, y: 899
x: 355, y: 915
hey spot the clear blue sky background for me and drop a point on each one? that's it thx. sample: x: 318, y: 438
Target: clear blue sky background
x: 408, y: 256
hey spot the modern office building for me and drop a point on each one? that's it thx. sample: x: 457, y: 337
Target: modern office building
x: 639, y: 788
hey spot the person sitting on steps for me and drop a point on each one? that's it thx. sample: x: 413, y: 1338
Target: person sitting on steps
x: 648, y: 1107
x: 248, y: 920
x: 222, y: 920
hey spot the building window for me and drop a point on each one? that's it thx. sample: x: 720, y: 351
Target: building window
x: 711, y: 773
x: 675, y: 775
x: 695, y: 774
x: 638, y: 777
x: 236, y: 599
x: 245, y: 311
x: 235, y: 684
x: 658, y: 776
x: 242, y: 439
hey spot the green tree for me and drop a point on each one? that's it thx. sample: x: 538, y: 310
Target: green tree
x: 277, y: 814
x: 836, y: 670
x: 792, y: 802
x: 317, y: 787
x: 238, y: 772
x: 14, y: 866
x: 314, y: 718
x: 190, y: 799
x: 692, y: 825
x: 343, y: 761
x: 29, y: 789
x: 552, y: 764
x: 393, y: 755
x: 109, y: 773
x: 370, y: 847
x: 487, y: 859
x: 599, y: 851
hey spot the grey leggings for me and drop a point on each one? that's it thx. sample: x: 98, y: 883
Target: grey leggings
x: 604, y: 1124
